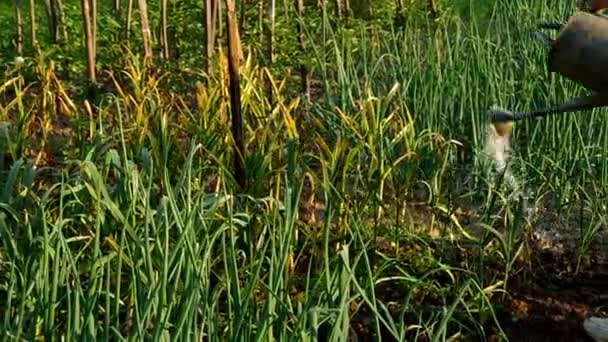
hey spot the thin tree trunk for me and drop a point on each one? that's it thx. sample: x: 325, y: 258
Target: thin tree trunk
x: 33, y: 38
x: 61, y: 28
x: 303, y: 70
x: 174, y: 52
x: 118, y: 17
x: 219, y: 33
x: 51, y: 20
x: 129, y: 19
x: 433, y: 8
x: 398, y: 19
x: 399, y: 5
x: 261, y: 22
x: 145, y: 31
x: 261, y: 16
x: 18, y: 28
x: 88, y: 38
x: 339, y: 9
x: 164, y: 41
x: 93, y: 4
x: 270, y: 20
x: 242, y: 15
x: 211, y: 12
x: 346, y: 9
x: 234, y: 61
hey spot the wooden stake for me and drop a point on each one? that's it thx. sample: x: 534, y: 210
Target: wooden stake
x: 234, y: 61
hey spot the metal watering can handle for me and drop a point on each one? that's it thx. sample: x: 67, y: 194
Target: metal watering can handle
x: 578, y: 104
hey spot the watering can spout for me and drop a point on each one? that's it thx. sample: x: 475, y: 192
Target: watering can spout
x: 576, y: 105
x: 503, y: 120
x: 501, y: 117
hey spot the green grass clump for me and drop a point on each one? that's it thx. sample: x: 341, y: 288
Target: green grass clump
x: 120, y: 218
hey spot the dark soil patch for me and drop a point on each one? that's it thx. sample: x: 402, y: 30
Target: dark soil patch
x: 548, y: 300
x: 548, y: 303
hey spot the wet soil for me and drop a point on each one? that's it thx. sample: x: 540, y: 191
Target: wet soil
x: 550, y: 300
x: 549, y: 296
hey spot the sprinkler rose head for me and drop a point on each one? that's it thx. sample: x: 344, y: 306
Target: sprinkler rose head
x: 503, y: 128
x: 501, y: 116
x: 502, y: 121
